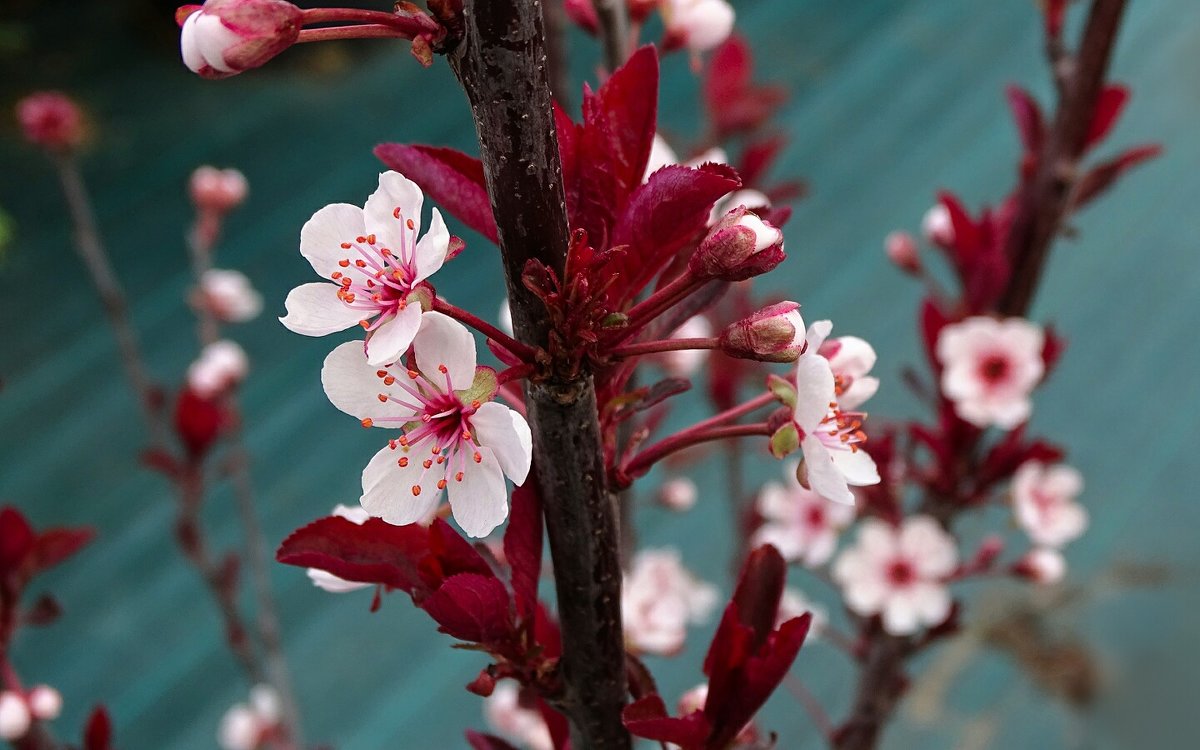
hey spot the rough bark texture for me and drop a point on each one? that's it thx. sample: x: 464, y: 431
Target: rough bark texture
x: 880, y: 685
x: 501, y: 62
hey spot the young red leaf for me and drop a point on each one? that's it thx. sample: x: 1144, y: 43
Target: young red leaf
x: 1108, y: 110
x: 17, y: 539
x: 1028, y: 116
x: 56, y: 545
x: 1101, y: 178
x: 1056, y: 11
x: 757, y: 159
x: 479, y: 741
x: 966, y: 233
x: 759, y: 590
x: 648, y: 718
x: 523, y: 546
x: 97, y: 735
x: 583, y: 13
x: 452, y: 178
x: 473, y: 608
x: 933, y: 320
x: 734, y: 103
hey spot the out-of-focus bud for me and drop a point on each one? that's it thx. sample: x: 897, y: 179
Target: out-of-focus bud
x: 229, y: 295
x: 678, y: 494
x: 225, y: 37
x: 221, y: 366
x: 14, y: 716
x: 45, y: 703
x: 217, y: 190
x: 1042, y: 565
x: 51, y: 120
x: 699, y: 25
x: 773, y: 334
x: 902, y: 250
x: 937, y: 226
x: 739, y: 246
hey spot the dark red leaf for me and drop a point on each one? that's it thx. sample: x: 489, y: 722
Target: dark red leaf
x: 560, y: 729
x: 1056, y: 11
x: 56, y: 545
x: 546, y: 633
x: 479, y: 741
x: 452, y: 178
x: 933, y: 320
x: 966, y: 233
x: 757, y: 159
x: 198, y: 421
x: 1028, y: 116
x: 43, y: 611
x: 648, y: 718
x: 453, y: 553
x: 1101, y: 177
x: 583, y: 13
x: 97, y: 735
x: 523, y: 546
x: 1052, y: 350
x: 733, y: 102
x: 17, y: 539
x: 1108, y: 110
x: 758, y: 591
x: 473, y: 608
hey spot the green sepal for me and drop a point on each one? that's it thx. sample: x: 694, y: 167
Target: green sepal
x: 483, y: 387
x: 423, y: 295
x: 785, y: 441
x: 783, y: 390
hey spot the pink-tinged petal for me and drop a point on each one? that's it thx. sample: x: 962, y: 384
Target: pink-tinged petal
x: 1007, y: 413
x: 824, y: 477
x: 854, y: 356
x: 857, y: 467
x: 775, y: 502
x: 781, y: 537
x: 388, y: 488
x: 353, y: 386
x: 213, y: 39
x: 506, y: 433
x: 928, y: 546
x: 931, y: 602
x: 480, y: 500
x: 877, y: 540
x: 814, y: 391
x: 394, y: 191
x: 315, y: 310
x: 432, y: 249
x: 444, y: 342
x: 817, y: 333
x: 322, y: 236
x: 391, y: 340
x: 900, y: 615
x: 859, y: 392
x: 1063, y: 481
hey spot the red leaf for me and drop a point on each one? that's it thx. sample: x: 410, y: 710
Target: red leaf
x: 546, y: 633
x: 1101, y: 178
x: 97, y: 735
x: 452, y: 178
x: 472, y: 607
x: 648, y: 718
x: 966, y: 233
x: 556, y: 722
x: 1108, y: 109
x: 933, y: 320
x: 1055, y: 11
x: 733, y: 102
x: 757, y: 159
x: 1028, y: 116
x: 479, y: 741
x: 759, y: 589
x: 17, y: 539
x: 523, y: 546
x: 583, y: 13
x: 56, y: 545
x: 1052, y: 350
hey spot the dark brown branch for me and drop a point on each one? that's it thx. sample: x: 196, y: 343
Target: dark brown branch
x: 1045, y: 200
x: 881, y: 682
x: 614, y: 31
x: 501, y: 62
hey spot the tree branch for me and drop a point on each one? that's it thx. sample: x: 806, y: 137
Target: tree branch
x: 614, y: 31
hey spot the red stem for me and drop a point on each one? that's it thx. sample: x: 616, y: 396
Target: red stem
x: 523, y: 351
x: 665, y: 345
x: 654, y: 305
x: 641, y: 463
x: 414, y: 24
x: 364, y: 31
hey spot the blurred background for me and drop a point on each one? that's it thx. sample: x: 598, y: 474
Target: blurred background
x: 889, y: 101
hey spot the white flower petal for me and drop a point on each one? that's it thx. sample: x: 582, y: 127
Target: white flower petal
x: 213, y: 39
x: 391, y: 340
x: 824, y: 476
x: 431, y: 250
x: 353, y: 386
x: 315, y: 310
x: 900, y: 615
x: 857, y: 467
x: 931, y: 602
x: 480, y: 500
x: 817, y: 333
x: 394, y: 191
x: 189, y: 46
x: 443, y: 341
x: 322, y: 236
x: 814, y: 390
x: 331, y: 583
x: 506, y: 433
x: 388, y: 488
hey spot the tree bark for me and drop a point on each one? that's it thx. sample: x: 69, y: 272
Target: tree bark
x: 501, y: 62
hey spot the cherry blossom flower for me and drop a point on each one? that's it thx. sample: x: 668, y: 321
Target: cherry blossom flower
x: 229, y: 295
x: 899, y: 573
x: 323, y: 579
x: 220, y: 366
x: 828, y: 433
x: 505, y: 713
x: 793, y: 603
x: 1043, y: 565
x: 683, y: 363
x: 699, y: 25
x: 245, y: 726
x: 801, y: 524
x: 1044, y: 503
x: 660, y: 599
x: 937, y: 226
x: 225, y: 37
x: 678, y: 494
x: 15, y: 717
x: 217, y: 190
x: 990, y: 368
x: 454, y: 437
x: 374, y: 261
x: 51, y: 120
x: 45, y: 703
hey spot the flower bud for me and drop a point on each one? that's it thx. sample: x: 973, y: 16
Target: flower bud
x: 225, y: 37
x: 221, y: 366
x: 45, y: 703
x: 901, y: 249
x: 739, y: 246
x: 699, y: 25
x: 678, y: 494
x: 1042, y: 565
x: 51, y: 120
x: 14, y: 716
x: 229, y: 295
x: 937, y: 226
x: 217, y: 190
x: 773, y: 334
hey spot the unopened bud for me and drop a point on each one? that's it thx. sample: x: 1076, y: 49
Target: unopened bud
x: 220, y: 366
x: 51, y: 120
x: 678, y: 494
x: 217, y: 190
x: 1041, y: 565
x: 699, y: 25
x: 45, y: 703
x: 902, y: 250
x: 773, y: 334
x: 739, y: 246
x: 225, y: 37
x: 14, y: 716
x: 229, y: 295
x: 937, y: 225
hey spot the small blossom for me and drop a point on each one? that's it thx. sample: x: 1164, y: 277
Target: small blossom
x: 901, y: 250
x: 678, y: 494
x: 699, y: 25
x: 851, y: 359
x: 455, y: 438
x: 374, y: 261
x: 323, y: 579
x: 683, y: 363
x: 1044, y: 503
x: 509, y: 715
x: 990, y: 368
x: 14, y: 716
x: 1044, y: 565
x: 229, y: 295
x: 937, y: 226
x: 221, y: 366
x: 51, y: 120
x: 660, y: 599
x: 217, y: 190
x: 739, y: 246
x: 45, y: 703
x: 773, y: 334
x: 245, y: 726
x: 794, y: 603
x: 226, y: 37
x: 898, y: 573
x: 801, y: 524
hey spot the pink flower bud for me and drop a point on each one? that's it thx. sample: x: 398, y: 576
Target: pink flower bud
x: 229, y: 295
x: 740, y: 246
x: 221, y: 366
x: 225, y: 37
x: 217, y: 190
x: 51, y: 120
x: 699, y: 25
x: 45, y: 703
x: 1042, y: 565
x: 678, y: 494
x: 773, y: 334
x: 14, y: 716
x: 902, y: 250
x: 937, y: 226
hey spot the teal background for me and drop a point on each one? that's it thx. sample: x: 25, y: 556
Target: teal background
x: 890, y: 101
